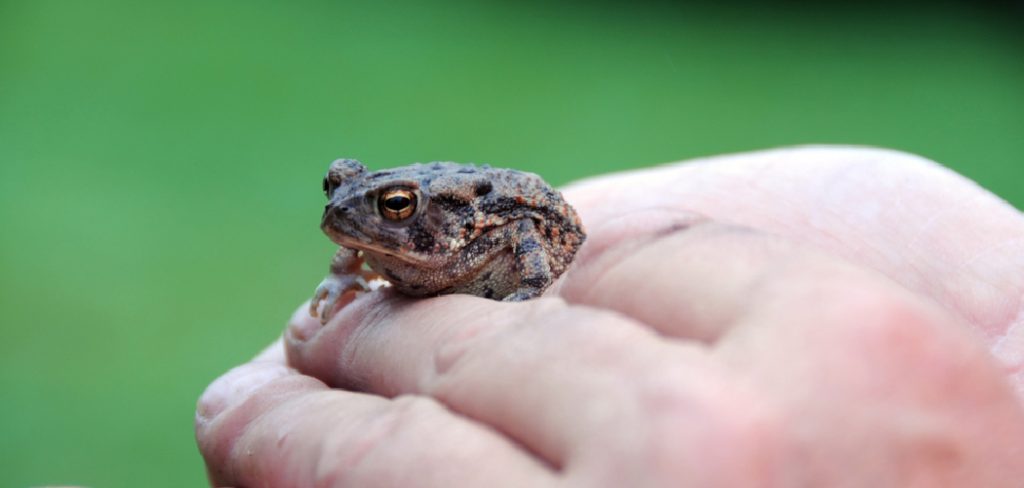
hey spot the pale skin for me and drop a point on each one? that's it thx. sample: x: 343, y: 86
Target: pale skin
x: 798, y: 317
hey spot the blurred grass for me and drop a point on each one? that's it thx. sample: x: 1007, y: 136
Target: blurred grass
x: 160, y: 162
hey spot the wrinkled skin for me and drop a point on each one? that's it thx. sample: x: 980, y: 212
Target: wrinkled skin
x: 490, y: 232
x: 800, y: 317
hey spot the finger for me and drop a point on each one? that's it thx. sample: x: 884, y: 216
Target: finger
x: 587, y: 390
x: 921, y: 225
x: 875, y: 377
x: 263, y: 424
x: 593, y: 391
x: 697, y: 282
x: 787, y: 315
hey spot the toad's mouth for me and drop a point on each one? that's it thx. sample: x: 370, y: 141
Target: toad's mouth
x: 408, y: 256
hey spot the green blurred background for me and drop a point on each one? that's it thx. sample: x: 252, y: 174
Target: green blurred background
x: 160, y: 162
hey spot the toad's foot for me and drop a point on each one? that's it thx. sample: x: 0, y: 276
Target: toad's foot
x: 330, y: 290
x: 523, y: 294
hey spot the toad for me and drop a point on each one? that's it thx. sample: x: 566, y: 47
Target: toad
x: 439, y: 228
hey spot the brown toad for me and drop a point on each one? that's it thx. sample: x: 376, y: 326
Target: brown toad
x: 438, y: 228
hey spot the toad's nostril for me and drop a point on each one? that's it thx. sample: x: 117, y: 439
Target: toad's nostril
x: 337, y: 212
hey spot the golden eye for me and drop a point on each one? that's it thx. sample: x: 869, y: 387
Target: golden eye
x: 397, y: 204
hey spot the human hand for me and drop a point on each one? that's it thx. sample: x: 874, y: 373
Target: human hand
x: 799, y: 317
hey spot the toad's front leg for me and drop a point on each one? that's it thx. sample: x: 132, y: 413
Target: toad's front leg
x: 346, y: 274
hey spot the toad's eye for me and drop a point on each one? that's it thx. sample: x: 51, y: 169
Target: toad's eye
x: 397, y: 204
x: 331, y: 183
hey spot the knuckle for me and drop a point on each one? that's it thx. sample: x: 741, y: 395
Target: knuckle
x: 692, y: 429
x: 458, y: 347
x: 889, y: 327
x: 471, y: 347
x: 677, y: 427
